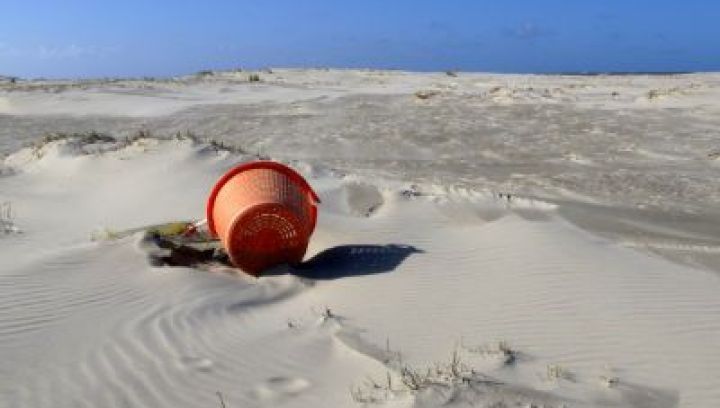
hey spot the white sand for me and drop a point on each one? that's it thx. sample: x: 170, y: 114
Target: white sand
x: 433, y: 268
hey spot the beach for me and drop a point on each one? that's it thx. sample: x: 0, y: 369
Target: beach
x: 483, y: 239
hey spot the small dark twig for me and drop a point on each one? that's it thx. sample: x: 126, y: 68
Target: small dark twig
x: 220, y: 397
x: 222, y: 401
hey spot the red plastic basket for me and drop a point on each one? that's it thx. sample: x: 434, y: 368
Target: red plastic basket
x: 264, y: 213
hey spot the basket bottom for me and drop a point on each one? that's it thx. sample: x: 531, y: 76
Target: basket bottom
x: 265, y: 236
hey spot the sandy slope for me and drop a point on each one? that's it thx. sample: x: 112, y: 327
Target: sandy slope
x: 94, y: 324
x: 416, y: 256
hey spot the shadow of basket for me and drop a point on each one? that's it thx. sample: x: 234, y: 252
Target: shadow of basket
x: 353, y: 260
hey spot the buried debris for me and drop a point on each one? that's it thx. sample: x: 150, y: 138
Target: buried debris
x: 182, y: 244
x: 186, y: 254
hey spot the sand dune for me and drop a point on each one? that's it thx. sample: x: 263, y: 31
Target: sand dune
x: 93, y: 323
x: 430, y: 281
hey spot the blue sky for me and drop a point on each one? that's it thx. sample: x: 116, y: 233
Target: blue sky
x: 74, y: 38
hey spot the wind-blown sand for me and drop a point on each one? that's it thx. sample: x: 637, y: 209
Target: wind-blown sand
x: 556, y: 241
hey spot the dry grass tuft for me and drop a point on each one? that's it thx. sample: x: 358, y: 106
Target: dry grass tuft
x: 425, y: 94
x: 7, y: 226
x: 449, y: 374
